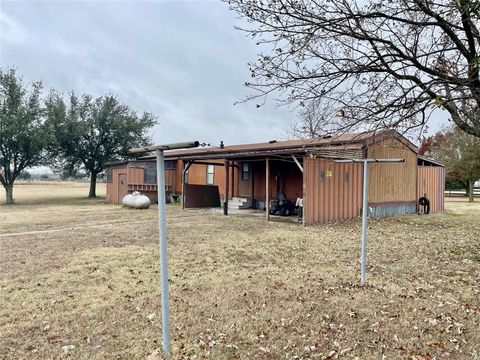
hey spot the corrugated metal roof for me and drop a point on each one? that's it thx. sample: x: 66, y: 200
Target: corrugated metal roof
x: 434, y: 162
x: 333, y: 143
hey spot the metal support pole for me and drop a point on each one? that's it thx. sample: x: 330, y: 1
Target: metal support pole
x: 225, y: 200
x: 363, y: 273
x: 267, y: 188
x: 183, y: 183
x: 162, y: 228
x: 298, y: 163
x: 232, y: 179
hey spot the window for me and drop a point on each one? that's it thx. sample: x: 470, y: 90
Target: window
x: 210, y: 172
x: 170, y: 164
x: 245, y: 171
x: 109, y: 175
x: 150, y: 173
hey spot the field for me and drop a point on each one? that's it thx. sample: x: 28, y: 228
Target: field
x: 80, y: 280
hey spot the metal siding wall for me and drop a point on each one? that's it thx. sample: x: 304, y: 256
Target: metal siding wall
x: 219, y: 178
x: 170, y: 175
x: 390, y: 210
x: 178, y: 177
x: 135, y: 175
x: 431, y: 181
x: 333, y: 198
x: 197, y: 174
x: 392, y: 182
x: 112, y: 188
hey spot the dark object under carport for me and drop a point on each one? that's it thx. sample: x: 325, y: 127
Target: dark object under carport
x: 199, y: 196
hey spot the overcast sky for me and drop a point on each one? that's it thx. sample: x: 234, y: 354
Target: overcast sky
x: 181, y: 60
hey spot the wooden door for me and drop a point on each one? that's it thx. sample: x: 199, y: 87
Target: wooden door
x: 244, y: 180
x: 122, y: 186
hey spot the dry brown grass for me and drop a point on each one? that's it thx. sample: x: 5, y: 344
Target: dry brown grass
x: 240, y: 287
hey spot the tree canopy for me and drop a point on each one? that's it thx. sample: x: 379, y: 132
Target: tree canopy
x: 375, y: 64
x: 459, y: 151
x: 88, y: 132
x: 23, y: 137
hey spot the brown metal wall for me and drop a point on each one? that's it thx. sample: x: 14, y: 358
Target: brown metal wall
x: 178, y: 177
x: 170, y: 179
x: 431, y: 181
x: 392, y: 183
x: 113, y: 188
x: 197, y: 175
x: 331, y: 198
x: 135, y: 175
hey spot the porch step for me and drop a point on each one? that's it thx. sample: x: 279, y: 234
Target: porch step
x: 237, y: 203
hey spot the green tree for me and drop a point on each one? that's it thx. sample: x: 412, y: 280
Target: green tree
x: 90, y: 132
x: 24, y: 175
x: 373, y: 64
x: 461, y: 154
x: 22, y: 129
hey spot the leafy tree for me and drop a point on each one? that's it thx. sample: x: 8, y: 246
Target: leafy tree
x: 380, y: 64
x: 90, y: 132
x: 22, y: 130
x: 461, y: 154
x: 24, y: 175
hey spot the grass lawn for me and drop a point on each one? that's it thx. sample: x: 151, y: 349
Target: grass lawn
x: 80, y: 279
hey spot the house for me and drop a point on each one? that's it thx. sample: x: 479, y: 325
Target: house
x: 251, y: 175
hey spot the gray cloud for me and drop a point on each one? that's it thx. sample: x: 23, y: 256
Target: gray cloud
x: 182, y: 61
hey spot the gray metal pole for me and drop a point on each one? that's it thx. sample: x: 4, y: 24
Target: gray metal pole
x: 364, y: 222
x: 162, y: 228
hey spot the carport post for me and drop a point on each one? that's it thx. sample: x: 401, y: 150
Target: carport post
x: 267, y: 188
x: 162, y: 227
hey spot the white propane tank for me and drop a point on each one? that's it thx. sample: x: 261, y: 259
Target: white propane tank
x: 136, y: 200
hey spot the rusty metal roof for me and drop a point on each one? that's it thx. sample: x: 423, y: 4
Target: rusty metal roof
x: 431, y: 161
x: 335, y: 144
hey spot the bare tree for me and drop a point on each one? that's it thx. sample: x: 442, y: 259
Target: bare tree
x: 312, y: 119
x: 379, y: 63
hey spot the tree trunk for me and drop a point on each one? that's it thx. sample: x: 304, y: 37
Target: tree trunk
x: 9, y: 193
x: 93, y: 185
x: 470, y: 190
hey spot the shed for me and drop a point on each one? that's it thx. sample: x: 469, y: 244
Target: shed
x: 124, y: 177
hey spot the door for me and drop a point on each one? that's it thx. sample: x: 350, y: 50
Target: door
x: 245, y: 180
x: 122, y: 186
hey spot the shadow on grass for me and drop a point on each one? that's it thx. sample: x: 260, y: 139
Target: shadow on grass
x: 57, y: 201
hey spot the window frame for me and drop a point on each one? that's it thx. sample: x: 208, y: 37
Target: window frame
x: 210, y: 175
x: 245, y: 174
x: 109, y: 176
